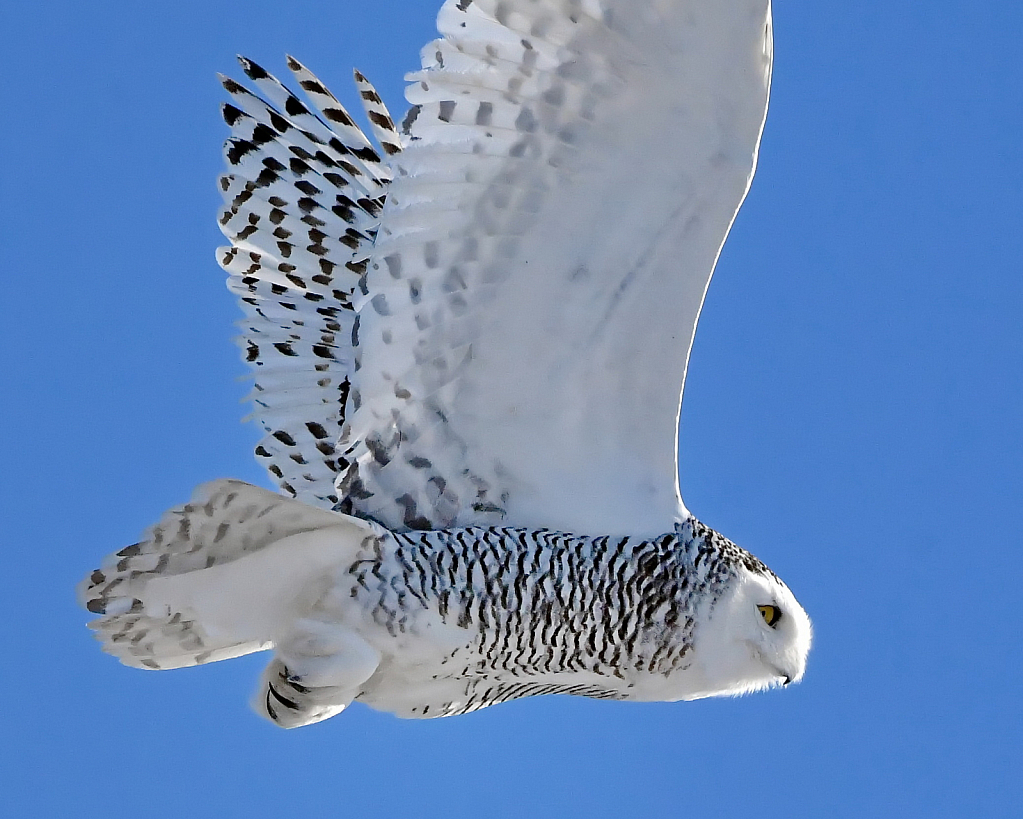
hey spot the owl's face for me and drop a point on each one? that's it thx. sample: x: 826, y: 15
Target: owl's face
x: 755, y: 636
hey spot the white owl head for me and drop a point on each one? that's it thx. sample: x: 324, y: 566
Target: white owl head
x: 755, y: 636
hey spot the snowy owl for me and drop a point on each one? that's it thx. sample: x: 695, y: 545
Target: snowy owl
x: 469, y: 336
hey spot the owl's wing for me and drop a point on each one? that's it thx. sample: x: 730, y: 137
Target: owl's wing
x: 570, y: 171
x: 301, y: 205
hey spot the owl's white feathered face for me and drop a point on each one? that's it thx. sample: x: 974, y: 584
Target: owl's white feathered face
x: 756, y: 636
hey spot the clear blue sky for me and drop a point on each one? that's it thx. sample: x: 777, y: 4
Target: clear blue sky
x: 853, y: 416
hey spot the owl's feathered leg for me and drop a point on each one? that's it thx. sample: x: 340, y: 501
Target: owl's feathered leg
x: 319, y: 669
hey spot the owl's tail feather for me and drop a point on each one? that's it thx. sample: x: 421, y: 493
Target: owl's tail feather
x: 217, y: 577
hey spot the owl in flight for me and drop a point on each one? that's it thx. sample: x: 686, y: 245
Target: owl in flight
x: 469, y: 336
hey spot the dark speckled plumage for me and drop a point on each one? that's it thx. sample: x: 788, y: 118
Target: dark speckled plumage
x: 539, y: 603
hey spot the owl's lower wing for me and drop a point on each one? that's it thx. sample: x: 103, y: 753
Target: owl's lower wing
x: 301, y: 205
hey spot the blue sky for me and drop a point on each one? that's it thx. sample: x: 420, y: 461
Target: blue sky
x: 853, y: 416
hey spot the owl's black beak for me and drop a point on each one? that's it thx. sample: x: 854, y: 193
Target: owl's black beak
x: 785, y: 678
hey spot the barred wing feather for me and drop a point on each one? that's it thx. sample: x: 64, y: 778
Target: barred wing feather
x: 570, y: 171
x: 301, y: 205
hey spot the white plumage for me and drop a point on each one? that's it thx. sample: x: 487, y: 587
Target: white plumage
x: 466, y: 341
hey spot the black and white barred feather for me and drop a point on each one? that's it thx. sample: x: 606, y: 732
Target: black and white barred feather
x: 547, y: 612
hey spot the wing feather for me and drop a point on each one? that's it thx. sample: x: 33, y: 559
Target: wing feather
x: 380, y: 122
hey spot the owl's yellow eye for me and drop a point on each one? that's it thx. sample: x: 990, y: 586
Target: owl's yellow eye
x: 771, y: 615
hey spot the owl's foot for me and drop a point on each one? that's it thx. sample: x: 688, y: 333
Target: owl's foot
x: 315, y: 675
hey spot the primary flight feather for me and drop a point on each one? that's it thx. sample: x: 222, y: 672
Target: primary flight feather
x: 469, y: 340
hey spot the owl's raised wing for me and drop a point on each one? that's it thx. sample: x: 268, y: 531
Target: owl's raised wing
x: 571, y: 170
